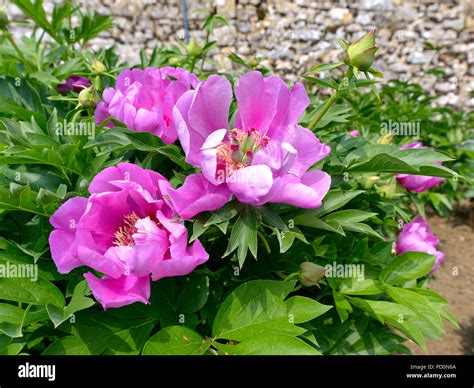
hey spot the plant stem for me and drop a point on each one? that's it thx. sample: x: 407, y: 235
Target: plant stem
x: 265, y: 243
x: 18, y: 51
x: 323, y: 111
x: 330, y: 101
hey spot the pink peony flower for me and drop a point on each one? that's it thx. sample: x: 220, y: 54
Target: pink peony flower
x: 143, y: 100
x: 354, y: 133
x: 125, y: 230
x: 263, y: 157
x: 418, y: 183
x: 75, y: 83
x: 416, y: 236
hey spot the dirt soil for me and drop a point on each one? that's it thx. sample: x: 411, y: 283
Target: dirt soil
x: 457, y: 242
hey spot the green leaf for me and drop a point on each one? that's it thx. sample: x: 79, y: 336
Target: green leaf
x: 376, y: 341
x: 324, y: 82
x: 427, y: 317
x: 45, y: 78
x: 176, y: 340
x: 313, y: 222
x: 324, y: 67
x: 11, y: 320
x: 10, y: 346
x: 35, y: 12
x: 96, y: 332
x: 353, y: 286
x: 343, y: 307
x: 361, y: 228
x: 78, y: 302
x: 335, y: 200
x: 258, y: 306
x: 408, y: 266
x: 382, y: 310
x: 244, y: 235
x: 194, y: 295
x: 34, y: 292
x: 269, y: 344
x: 349, y: 216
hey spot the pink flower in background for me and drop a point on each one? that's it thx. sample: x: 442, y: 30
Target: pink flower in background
x: 144, y: 99
x: 418, y: 183
x: 75, y: 83
x: 263, y: 157
x: 416, y: 237
x: 125, y: 230
x: 354, y: 133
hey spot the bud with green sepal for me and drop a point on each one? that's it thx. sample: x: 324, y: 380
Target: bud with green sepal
x: 98, y: 67
x: 361, y: 54
x: 311, y: 273
x: 88, y: 97
x: 193, y: 48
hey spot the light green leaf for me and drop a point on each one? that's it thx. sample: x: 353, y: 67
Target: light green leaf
x: 34, y: 292
x: 269, y: 344
x: 408, y: 266
x: 258, y: 306
x: 96, y: 332
x: 176, y: 340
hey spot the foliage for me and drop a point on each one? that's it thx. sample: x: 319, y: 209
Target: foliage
x: 239, y: 302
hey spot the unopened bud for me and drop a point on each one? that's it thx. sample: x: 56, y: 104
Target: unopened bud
x: 193, y: 49
x: 98, y: 67
x: 311, y: 273
x: 361, y: 54
x: 89, y: 98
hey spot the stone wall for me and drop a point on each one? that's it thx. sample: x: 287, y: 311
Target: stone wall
x: 295, y: 35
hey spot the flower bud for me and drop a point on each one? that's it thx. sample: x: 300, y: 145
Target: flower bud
x: 361, y: 54
x: 3, y: 18
x: 367, y: 181
x: 193, y: 49
x: 311, y: 273
x: 98, y: 67
x: 385, y: 139
x: 88, y: 97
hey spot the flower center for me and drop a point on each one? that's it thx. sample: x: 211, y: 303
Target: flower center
x: 240, y: 148
x: 123, y: 235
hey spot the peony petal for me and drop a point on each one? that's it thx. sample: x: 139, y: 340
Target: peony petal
x: 257, y: 101
x: 208, y: 156
x: 199, y: 113
x: 305, y: 192
x: 197, y: 195
x: 62, y: 251
x: 148, y: 179
x: 119, y: 292
x: 181, y: 264
x: 290, y: 108
x: 309, y: 149
x: 68, y: 214
x: 251, y: 183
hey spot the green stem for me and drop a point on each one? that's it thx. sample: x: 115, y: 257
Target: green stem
x: 204, y: 55
x: 18, y: 51
x: 330, y: 101
x: 265, y: 243
x: 322, y: 112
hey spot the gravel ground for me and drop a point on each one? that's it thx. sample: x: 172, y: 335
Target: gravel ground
x: 457, y: 242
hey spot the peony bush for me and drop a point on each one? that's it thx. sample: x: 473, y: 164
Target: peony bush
x: 176, y: 208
